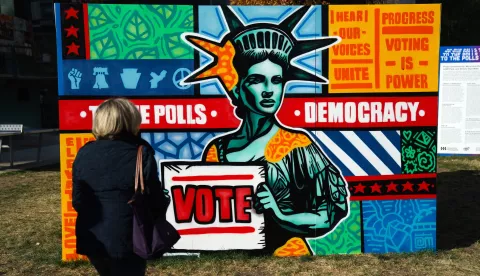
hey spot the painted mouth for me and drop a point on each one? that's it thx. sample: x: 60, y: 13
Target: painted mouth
x: 267, y: 103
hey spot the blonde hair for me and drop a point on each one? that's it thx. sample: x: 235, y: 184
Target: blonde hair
x: 115, y: 117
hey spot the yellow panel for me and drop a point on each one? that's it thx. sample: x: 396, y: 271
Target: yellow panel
x: 69, y: 146
x: 384, y: 48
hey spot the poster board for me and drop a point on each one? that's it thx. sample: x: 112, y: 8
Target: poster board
x: 350, y: 93
x: 459, y: 94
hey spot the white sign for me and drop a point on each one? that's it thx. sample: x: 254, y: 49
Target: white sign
x: 212, y: 206
x: 459, y: 99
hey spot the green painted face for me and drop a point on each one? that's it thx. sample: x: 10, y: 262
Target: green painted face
x: 262, y: 88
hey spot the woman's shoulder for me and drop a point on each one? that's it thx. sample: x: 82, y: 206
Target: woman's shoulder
x: 284, y: 142
x: 292, y: 137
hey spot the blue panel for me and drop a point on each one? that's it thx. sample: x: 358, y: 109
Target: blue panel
x: 179, y: 145
x: 399, y: 225
x: 58, y: 19
x: 311, y: 25
x: 454, y: 54
x: 258, y: 14
x: 211, y: 22
x: 126, y: 77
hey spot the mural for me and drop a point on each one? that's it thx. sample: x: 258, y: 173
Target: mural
x: 285, y: 130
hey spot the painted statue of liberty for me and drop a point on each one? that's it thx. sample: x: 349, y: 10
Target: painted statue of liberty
x: 305, y: 194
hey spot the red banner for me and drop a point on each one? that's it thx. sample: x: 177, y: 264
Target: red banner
x: 217, y: 113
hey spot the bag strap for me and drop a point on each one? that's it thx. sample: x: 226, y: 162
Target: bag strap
x: 139, y: 170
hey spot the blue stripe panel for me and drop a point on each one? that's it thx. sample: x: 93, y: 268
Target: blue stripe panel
x: 340, y: 165
x: 58, y: 20
x: 380, y: 151
x: 399, y: 225
x: 394, y: 137
x: 352, y: 151
x: 384, y: 154
x: 127, y: 77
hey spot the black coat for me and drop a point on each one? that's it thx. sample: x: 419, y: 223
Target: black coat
x: 103, y: 183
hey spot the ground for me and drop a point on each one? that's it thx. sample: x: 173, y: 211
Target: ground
x: 30, y: 240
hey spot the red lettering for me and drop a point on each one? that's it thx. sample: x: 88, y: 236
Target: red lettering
x: 70, y: 207
x: 69, y: 232
x: 407, y: 63
x: 349, y: 33
x: 69, y: 141
x: 204, y: 206
x: 68, y: 174
x: 351, y: 49
x: 225, y: 196
x: 70, y: 163
x: 79, y: 143
x: 349, y: 74
x: 431, y: 17
x: 242, y: 204
x: 68, y: 185
x: 183, y: 204
x: 407, y: 44
x: 69, y: 222
x: 407, y: 81
x: 68, y: 193
x: 408, y: 18
x: 70, y: 243
x: 69, y: 153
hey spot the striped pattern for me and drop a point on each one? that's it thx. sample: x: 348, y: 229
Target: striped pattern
x: 362, y: 153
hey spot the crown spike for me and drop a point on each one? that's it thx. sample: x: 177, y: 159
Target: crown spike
x: 306, y: 46
x: 298, y: 74
x: 233, y: 22
x: 289, y: 23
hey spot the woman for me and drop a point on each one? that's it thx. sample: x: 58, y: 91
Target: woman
x: 103, y: 183
x: 305, y: 195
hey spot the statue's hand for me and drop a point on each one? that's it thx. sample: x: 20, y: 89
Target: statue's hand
x: 167, y: 198
x: 267, y: 201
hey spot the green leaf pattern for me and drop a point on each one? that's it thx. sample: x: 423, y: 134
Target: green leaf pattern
x: 104, y: 47
x: 136, y: 28
x: 139, y: 31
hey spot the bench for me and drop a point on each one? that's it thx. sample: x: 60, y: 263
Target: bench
x: 11, y: 130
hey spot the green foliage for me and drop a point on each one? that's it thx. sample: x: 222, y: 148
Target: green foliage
x: 139, y: 31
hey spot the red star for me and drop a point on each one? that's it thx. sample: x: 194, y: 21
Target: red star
x: 360, y: 188
x: 72, y: 31
x: 407, y: 186
x: 73, y: 49
x: 392, y: 187
x: 423, y: 186
x: 71, y: 13
x: 376, y: 188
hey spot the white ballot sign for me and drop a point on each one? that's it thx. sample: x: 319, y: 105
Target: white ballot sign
x: 212, y: 205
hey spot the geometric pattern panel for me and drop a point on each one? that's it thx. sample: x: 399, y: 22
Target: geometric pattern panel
x: 345, y: 239
x: 419, y: 151
x: 178, y: 145
x: 399, y: 225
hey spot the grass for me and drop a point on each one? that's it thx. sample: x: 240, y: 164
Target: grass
x: 30, y: 240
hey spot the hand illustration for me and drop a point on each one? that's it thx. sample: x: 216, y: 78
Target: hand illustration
x: 75, y: 77
x: 266, y: 200
x: 157, y: 78
x: 167, y: 197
